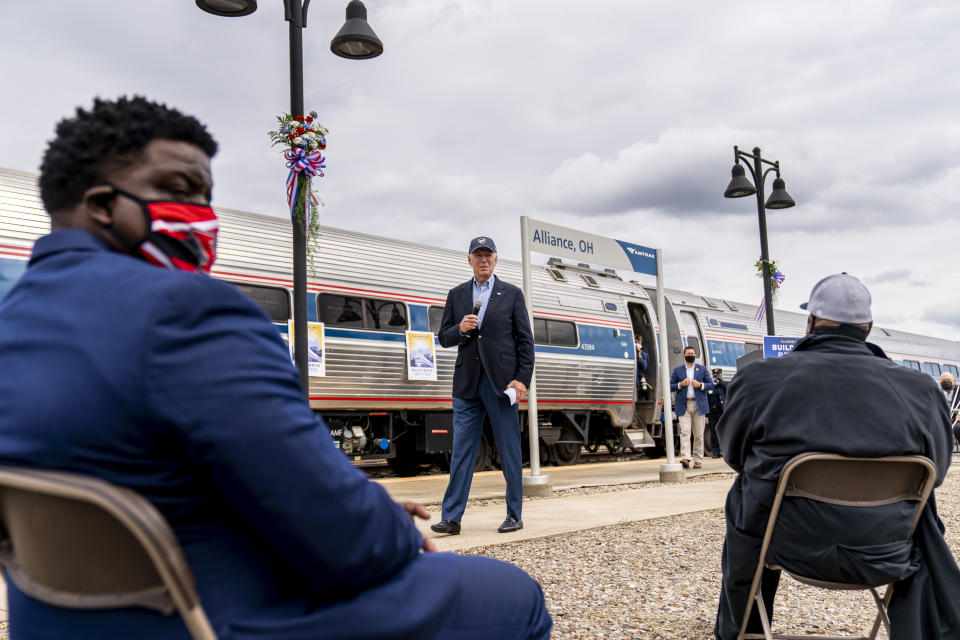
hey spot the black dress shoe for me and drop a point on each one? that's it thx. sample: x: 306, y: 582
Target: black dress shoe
x: 445, y: 526
x: 510, y: 525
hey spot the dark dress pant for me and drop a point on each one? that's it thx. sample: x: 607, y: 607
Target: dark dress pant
x: 468, y: 414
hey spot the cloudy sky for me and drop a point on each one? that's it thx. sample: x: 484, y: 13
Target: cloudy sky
x: 614, y: 116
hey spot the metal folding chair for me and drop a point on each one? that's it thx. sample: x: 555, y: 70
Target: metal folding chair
x: 79, y: 542
x: 854, y: 482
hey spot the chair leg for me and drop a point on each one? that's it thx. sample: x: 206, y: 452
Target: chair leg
x: 882, y: 611
x: 764, y: 621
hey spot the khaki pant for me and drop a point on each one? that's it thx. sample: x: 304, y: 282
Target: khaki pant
x: 694, y: 416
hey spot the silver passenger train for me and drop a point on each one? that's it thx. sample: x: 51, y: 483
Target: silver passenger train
x: 369, y: 290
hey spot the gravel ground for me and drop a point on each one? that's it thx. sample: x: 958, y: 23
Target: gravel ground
x: 660, y: 579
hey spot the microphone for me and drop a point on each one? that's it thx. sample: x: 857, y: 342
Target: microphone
x: 476, y: 310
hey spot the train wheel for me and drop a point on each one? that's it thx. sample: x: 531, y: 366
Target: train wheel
x: 567, y: 453
x: 593, y: 446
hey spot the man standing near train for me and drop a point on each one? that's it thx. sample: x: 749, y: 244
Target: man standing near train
x: 691, y: 381
x: 176, y: 385
x: 486, y: 318
x: 835, y: 393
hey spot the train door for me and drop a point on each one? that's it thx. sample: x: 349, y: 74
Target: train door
x: 647, y: 392
x: 674, y: 341
x: 690, y: 326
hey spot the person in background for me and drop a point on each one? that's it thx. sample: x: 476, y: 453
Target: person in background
x: 643, y: 388
x: 691, y: 382
x: 950, y: 393
x: 177, y: 386
x: 716, y: 398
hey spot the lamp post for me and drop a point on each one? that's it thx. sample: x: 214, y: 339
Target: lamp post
x: 739, y: 187
x: 355, y: 41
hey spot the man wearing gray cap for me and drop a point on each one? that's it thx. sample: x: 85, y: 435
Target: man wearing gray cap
x: 486, y: 319
x: 835, y: 393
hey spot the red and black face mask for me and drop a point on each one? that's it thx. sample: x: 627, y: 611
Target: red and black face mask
x: 181, y: 235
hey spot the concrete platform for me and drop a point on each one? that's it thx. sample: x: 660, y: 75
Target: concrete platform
x: 570, y: 513
x: 490, y: 484
x: 576, y: 513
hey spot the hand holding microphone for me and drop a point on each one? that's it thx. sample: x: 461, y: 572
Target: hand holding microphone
x: 470, y: 322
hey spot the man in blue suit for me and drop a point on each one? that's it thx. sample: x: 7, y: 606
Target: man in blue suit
x: 487, y: 320
x: 691, y: 381
x: 176, y: 385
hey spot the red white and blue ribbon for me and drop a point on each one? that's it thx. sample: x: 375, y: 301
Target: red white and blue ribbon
x: 310, y: 164
x: 762, y: 308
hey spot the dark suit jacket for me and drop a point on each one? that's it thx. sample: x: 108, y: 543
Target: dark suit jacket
x: 177, y: 386
x: 701, y: 374
x: 503, y: 344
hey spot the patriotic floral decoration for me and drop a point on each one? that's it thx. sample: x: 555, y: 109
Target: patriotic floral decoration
x: 303, y: 140
x: 776, y: 277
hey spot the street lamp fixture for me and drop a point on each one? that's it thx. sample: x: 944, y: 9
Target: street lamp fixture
x: 355, y: 40
x: 739, y: 187
x: 228, y: 8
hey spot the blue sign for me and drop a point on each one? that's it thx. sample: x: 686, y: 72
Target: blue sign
x: 777, y: 347
x: 643, y: 259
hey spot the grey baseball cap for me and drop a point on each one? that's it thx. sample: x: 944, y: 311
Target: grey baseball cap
x: 841, y: 298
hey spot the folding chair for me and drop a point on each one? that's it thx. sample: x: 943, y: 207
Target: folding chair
x: 854, y: 482
x: 78, y: 542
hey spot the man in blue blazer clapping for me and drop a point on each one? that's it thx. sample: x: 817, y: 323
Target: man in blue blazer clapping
x: 691, y: 381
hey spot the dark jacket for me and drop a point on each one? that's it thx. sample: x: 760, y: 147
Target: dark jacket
x: 177, y: 386
x: 701, y: 374
x: 836, y: 394
x: 502, y: 346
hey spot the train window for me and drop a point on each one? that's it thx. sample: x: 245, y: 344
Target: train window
x: 274, y: 301
x: 540, y: 331
x: 931, y: 368
x: 385, y: 315
x: 951, y: 369
x: 913, y: 364
x: 556, y: 333
x: 435, y: 314
x: 340, y: 311
x: 561, y: 334
x: 695, y: 343
x: 752, y: 346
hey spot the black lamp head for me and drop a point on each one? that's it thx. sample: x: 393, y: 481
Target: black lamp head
x: 228, y: 8
x: 779, y: 198
x: 356, y: 40
x: 739, y: 185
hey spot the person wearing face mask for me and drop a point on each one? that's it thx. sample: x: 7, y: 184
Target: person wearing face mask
x: 949, y: 387
x: 691, y: 382
x: 835, y: 393
x: 123, y: 360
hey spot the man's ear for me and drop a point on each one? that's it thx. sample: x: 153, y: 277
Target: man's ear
x: 95, y: 204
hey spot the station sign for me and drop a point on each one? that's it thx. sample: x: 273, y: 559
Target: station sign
x: 565, y: 242
x: 777, y: 346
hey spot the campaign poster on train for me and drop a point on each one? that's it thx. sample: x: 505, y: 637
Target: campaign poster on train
x: 421, y: 356
x: 315, y: 359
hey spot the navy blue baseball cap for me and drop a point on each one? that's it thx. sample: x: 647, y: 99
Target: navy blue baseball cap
x: 482, y: 242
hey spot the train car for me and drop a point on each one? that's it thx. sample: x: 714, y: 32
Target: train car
x: 368, y: 290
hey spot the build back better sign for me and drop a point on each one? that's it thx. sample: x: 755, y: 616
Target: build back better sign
x: 777, y: 347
